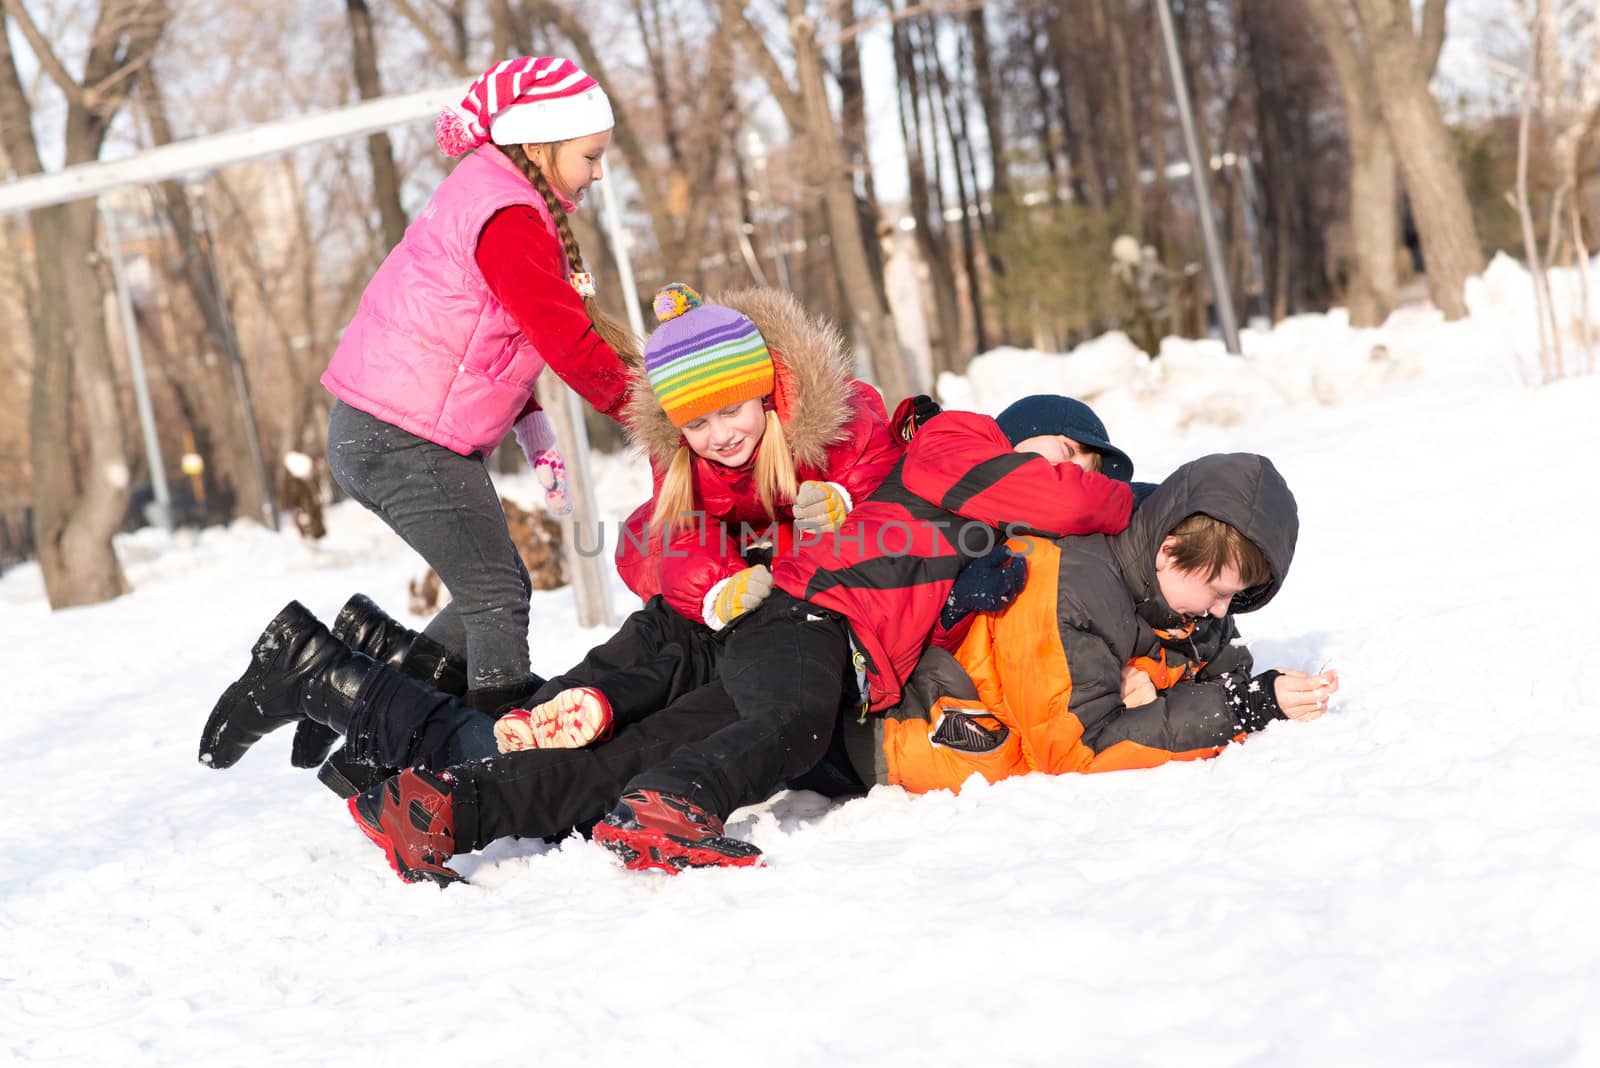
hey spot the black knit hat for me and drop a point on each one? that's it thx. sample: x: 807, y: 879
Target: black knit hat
x: 1047, y: 413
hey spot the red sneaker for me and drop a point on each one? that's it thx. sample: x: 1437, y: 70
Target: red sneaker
x: 411, y: 817
x: 649, y: 829
x: 571, y: 719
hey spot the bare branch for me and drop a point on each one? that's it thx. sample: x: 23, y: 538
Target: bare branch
x: 17, y: 143
x: 45, y: 55
x: 1430, y: 38
x: 107, y: 95
x: 435, y: 42
x: 932, y: 7
x: 760, y: 55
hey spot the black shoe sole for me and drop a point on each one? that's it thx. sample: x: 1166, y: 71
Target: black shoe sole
x: 347, y: 778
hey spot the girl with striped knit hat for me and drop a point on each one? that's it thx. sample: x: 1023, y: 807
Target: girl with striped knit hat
x: 754, y: 431
x: 486, y: 289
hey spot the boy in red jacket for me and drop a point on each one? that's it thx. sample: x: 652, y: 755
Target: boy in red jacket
x: 860, y: 603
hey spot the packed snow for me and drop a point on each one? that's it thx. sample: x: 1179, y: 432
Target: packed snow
x: 1409, y: 879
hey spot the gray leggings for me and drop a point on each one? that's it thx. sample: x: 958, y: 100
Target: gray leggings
x: 446, y: 508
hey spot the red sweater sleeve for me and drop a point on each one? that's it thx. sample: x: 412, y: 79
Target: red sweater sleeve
x: 523, y: 265
x: 964, y: 464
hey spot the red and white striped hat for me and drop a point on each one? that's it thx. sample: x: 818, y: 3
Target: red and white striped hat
x: 527, y: 100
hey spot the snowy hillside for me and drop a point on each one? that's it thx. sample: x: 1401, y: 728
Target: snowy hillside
x: 1408, y: 880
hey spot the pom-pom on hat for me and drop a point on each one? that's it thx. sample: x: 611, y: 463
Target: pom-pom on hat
x: 527, y: 100
x: 1048, y: 413
x: 703, y: 356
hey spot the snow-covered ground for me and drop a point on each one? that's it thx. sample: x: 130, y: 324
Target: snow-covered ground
x: 1409, y: 880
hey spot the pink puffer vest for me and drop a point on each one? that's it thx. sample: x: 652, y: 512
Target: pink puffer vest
x: 430, y: 349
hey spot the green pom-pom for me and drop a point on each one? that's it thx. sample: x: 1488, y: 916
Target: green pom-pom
x: 674, y: 299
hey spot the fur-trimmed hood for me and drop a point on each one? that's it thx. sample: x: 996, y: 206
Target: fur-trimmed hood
x: 812, y: 392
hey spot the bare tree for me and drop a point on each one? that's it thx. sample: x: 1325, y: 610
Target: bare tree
x: 1401, y: 60
x: 385, y: 176
x: 218, y: 425
x: 926, y: 201
x: 805, y: 107
x: 1374, y: 203
x: 73, y: 523
x: 1561, y: 93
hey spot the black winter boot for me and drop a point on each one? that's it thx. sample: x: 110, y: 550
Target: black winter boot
x: 366, y: 628
x: 346, y: 774
x: 297, y: 670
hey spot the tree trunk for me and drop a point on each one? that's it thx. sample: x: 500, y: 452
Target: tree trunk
x: 1043, y: 107
x: 224, y: 449
x: 932, y: 244
x: 953, y: 108
x: 993, y: 117
x: 873, y: 323
x: 1077, y: 121
x: 1127, y: 129
x: 1156, y: 86
x: 853, y: 127
x: 1374, y: 209
x: 385, y: 176
x: 73, y: 524
x: 1374, y: 223
x: 1425, y: 153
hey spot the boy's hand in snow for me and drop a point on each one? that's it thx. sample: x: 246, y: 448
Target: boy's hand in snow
x: 1304, y: 697
x: 1137, y: 689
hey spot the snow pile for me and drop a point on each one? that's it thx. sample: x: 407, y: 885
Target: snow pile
x: 1311, y: 360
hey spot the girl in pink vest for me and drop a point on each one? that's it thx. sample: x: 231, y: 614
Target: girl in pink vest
x: 485, y: 290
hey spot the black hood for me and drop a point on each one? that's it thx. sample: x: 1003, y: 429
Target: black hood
x: 1241, y: 489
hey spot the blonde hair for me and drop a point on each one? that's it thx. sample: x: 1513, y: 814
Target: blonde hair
x: 613, y: 333
x: 1208, y: 545
x: 776, y: 481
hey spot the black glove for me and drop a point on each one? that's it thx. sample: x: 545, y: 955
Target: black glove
x: 987, y: 584
x: 911, y: 413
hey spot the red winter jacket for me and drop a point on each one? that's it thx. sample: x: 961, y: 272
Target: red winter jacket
x: 837, y: 431
x: 959, y: 491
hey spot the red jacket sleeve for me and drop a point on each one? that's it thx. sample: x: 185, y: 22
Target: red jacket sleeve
x: 638, y: 555
x: 867, y: 454
x: 682, y: 568
x: 964, y: 464
x: 695, y: 560
x: 524, y: 267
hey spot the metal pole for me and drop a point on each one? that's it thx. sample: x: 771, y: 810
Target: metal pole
x: 586, y: 562
x: 161, y: 508
x: 1199, y: 171
x: 619, y: 252
x: 240, y: 384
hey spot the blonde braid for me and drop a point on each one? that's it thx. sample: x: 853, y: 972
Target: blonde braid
x: 613, y: 333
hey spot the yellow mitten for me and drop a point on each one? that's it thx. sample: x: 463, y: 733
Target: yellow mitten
x: 820, y: 507
x: 733, y: 597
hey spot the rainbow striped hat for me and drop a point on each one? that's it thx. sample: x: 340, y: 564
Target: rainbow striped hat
x: 703, y: 356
